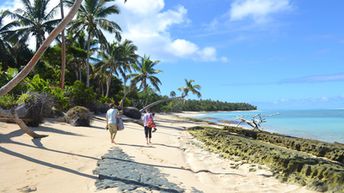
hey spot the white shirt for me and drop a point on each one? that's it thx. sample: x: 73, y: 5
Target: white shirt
x: 111, y: 115
x: 145, y: 118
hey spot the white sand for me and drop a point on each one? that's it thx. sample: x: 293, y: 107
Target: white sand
x: 64, y: 161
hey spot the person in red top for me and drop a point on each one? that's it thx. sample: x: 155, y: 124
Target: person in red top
x: 148, y: 124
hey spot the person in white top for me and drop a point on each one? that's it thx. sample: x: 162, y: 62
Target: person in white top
x: 111, y: 122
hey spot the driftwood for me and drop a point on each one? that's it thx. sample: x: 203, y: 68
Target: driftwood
x: 256, y: 121
x: 12, y: 115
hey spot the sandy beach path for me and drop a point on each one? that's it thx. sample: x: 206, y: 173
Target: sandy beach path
x: 175, y: 162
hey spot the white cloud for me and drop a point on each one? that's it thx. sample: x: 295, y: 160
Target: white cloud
x: 148, y: 25
x: 183, y: 47
x: 259, y: 10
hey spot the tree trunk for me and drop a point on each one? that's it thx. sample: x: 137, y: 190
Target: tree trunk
x: 159, y: 101
x: 63, y: 52
x: 87, y: 60
x: 108, y: 83
x: 13, y: 116
x: 31, y: 64
x: 125, y: 92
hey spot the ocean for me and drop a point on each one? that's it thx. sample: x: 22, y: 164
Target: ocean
x: 323, y: 125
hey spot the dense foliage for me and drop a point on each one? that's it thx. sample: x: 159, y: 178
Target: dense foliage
x: 211, y: 105
x: 97, y: 72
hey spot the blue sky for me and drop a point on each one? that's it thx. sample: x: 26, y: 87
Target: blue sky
x: 271, y: 53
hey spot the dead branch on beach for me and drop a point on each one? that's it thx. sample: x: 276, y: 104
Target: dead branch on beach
x: 256, y: 121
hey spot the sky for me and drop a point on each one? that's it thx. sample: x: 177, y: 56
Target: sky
x: 275, y: 54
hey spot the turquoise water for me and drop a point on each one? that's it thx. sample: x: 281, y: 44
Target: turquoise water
x: 324, y: 125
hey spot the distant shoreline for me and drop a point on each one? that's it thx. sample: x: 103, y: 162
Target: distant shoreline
x: 323, y: 125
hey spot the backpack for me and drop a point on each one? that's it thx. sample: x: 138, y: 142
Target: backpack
x: 150, y: 122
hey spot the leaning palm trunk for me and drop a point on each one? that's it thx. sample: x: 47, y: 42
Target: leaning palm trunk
x: 123, y: 99
x: 31, y: 64
x: 160, y: 101
x: 12, y: 115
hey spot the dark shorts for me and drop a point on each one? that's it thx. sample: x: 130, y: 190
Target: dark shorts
x: 148, y: 132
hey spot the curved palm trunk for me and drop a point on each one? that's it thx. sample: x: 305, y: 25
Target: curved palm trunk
x: 159, y: 101
x: 63, y: 51
x: 31, y: 64
x: 125, y: 93
x: 123, y: 99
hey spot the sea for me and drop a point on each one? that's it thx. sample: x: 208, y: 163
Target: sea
x: 324, y: 125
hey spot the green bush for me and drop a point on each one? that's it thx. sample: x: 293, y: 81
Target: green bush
x: 37, y: 84
x: 7, y: 101
x: 61, y: 101
x: 23, y: 98
x: 104, y: 99
x: 80, y: 95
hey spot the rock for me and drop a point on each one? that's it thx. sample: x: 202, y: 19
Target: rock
x: 27, y: 189
x: 132, y: 112
x: 78, y: 116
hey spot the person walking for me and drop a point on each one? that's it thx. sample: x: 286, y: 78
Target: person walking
x: 111, y: 122
x: 148, y: 124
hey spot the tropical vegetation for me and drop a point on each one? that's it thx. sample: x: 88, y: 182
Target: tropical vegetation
x: 98, y: 71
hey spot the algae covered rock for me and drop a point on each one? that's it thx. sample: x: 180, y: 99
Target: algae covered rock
x: 289, y: 164
x: 79, y: 116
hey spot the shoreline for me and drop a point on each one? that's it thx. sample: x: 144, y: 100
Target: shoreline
x: 275, y: 128
x: 69, y: 156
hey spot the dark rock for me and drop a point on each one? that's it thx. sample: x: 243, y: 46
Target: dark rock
x: 132, y: 112
x: 78, y: 116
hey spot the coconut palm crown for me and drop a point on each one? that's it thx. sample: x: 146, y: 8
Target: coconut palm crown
x: 145, y: 73
x: 34, y: 19
x: 190, y: 87
x: 92, y: 18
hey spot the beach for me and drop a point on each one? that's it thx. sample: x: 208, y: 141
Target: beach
x: 82, y: 159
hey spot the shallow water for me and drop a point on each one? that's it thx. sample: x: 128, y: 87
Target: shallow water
x: 324, y: 125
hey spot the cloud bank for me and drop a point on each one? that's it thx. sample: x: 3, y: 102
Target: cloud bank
x: 147, y: 23
x: 258, y: 10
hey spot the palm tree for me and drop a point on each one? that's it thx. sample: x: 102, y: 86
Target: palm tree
x: 146, y: 73
x: 77, y: 48
x: 190, y: 87
x: 33, y: 20
x: 30, y: 65
x: 92, y: 19
x: 5, y: 46
x: 116, y: 59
